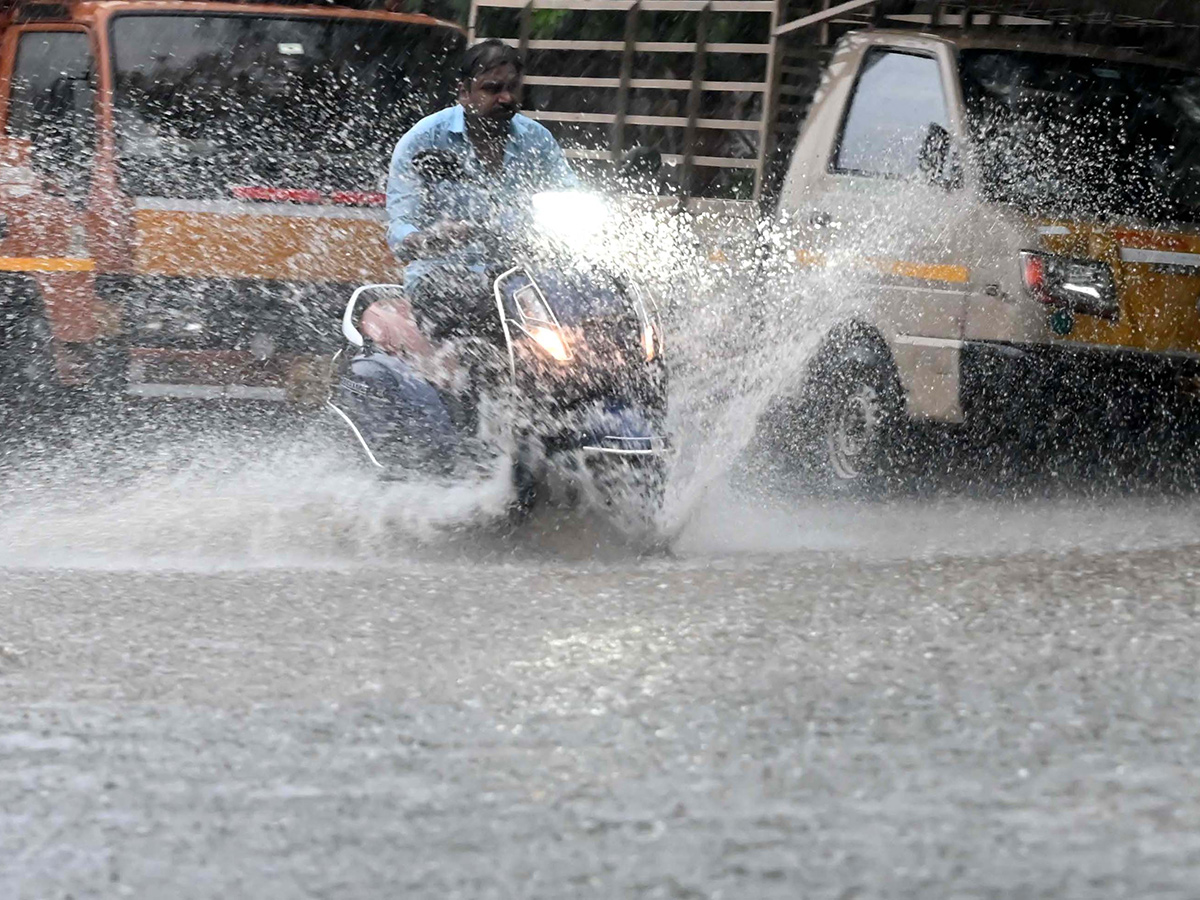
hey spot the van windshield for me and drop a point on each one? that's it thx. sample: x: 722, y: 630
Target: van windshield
x: 204, y: 104
x: 1083, y: 137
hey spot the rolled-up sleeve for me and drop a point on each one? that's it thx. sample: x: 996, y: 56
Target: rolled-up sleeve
x: 403, y: 192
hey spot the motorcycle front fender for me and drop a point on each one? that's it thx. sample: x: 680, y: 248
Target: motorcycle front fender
x: 395, y: 411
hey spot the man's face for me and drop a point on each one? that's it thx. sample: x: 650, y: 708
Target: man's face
x: 493, y: 95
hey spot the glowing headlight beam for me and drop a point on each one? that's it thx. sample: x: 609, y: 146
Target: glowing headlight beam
x: 649, y: 341
x: 572, y: 216
x: 550, y: 340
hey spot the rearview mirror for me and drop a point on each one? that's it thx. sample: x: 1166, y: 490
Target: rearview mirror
x: 363, y: 297
x: 437, y: 165
x: 19, y: 174
x: 639, y: 167
x: 16, y: 152
x: 938, y: 160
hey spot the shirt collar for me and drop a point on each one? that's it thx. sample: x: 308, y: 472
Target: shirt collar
x: 457, y: 123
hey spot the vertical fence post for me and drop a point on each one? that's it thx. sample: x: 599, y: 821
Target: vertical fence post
x: 768, y: 126
x: 1008, y: 9
x: 525, y: 28
x: 622, y: 110
x: 695, y: 95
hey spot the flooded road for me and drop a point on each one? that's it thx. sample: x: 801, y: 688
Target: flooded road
x: 247, y: 680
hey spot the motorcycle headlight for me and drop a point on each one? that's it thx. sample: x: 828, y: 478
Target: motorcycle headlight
x: 551, y: 340
x: 649, y: 340
x: 571, y: 216
x: 540, y: 324
x: 652, y: 339
x: 531, y: 305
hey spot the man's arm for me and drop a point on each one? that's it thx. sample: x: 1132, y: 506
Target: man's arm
x: 557, y: 173
x: 412, y: 232
x: 403, y: 196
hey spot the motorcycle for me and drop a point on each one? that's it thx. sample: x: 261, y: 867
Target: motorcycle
x: 573, y: 396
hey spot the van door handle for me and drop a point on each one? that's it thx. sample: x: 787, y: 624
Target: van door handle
x: 820, y: 220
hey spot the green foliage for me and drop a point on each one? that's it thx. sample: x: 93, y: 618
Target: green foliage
x: 547, y: 23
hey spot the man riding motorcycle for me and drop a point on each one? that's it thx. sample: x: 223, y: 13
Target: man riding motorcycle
x: 499, y: 339
x: 499, y: 159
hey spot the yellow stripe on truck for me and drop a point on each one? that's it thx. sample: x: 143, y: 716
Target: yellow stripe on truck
x: 924, y: 271
x: 45, y: 264
x: 945, y: 273
x: 202, y: 244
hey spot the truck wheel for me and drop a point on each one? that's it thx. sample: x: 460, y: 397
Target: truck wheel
x: 855, y: 434
x: 841, y: 433
x: 28, y: 374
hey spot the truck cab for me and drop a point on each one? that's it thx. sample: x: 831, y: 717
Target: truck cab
x: 991, y: 227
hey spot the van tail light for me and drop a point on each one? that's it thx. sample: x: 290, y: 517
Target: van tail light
x: 276, y: 195
x: 1083, y: 286
x: 306, y: 195
x: 1033, y: 271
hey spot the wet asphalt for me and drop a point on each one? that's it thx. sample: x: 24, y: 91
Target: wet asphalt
x: 936, y: 696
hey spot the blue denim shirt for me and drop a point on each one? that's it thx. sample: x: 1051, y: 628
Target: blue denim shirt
x: 533, y: 161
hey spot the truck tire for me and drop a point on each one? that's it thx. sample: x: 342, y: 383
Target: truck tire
x: 857, y: 423
x: 842, y: 434
x: 28, y: 373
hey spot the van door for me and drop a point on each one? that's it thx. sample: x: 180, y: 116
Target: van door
x: 48, y: 156
x: 890, y: 216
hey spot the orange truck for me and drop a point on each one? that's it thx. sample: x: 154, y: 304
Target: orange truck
x: 189, y: 190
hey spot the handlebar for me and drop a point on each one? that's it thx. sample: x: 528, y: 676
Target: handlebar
x: 432, y: 246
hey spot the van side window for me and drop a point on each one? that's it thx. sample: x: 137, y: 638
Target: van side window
x: 52, y: 104
x: 897, y: 102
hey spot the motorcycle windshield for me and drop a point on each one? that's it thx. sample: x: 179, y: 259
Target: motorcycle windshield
x: 576, y: 297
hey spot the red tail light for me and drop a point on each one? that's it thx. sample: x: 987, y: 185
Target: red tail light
x: 358, y: 198
x: 304, y: 195
x: 277, y: 195
x: 1033, y: 270
x: 1080, y: 285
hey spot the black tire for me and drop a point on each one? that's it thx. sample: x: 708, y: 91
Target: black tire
x: 845, y: 433
x: 28, y: 373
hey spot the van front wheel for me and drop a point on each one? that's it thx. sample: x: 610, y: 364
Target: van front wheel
x: 856, y: 422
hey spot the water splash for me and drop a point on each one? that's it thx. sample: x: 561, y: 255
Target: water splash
x: 164, y: 488
x: 227, y: 499
x: 277, y: 492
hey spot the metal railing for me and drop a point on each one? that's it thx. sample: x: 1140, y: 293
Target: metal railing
x: 616, y: 91
x: 794, y: 43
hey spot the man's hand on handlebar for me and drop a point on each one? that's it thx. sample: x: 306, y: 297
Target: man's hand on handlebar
x: 437, y: 238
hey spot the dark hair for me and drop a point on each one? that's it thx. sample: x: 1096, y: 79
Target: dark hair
x: 488, y: 55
